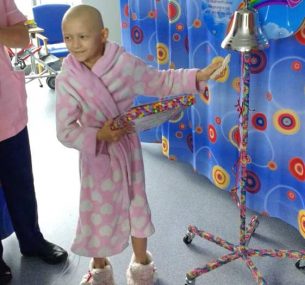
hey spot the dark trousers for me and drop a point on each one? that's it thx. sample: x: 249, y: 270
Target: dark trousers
x: 18, y: 184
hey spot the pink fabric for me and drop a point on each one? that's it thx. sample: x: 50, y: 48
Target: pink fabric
x: 13, y: 112
x: 113, y: 202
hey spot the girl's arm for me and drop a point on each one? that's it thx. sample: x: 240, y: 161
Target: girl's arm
x: 147, y: 80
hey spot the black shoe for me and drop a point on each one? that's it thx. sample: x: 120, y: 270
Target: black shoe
x: 48, y: 252
x: 5, y: 273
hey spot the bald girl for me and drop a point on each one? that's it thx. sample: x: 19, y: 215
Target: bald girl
x: 113, y: 205
x: 85, y: 12
x: 84, y: 34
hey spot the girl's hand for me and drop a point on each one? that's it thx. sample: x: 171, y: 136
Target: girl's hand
x: 106, y: 133
x: 205, y: 73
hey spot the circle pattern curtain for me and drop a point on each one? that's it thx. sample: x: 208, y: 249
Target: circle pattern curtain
x: 182, y: 34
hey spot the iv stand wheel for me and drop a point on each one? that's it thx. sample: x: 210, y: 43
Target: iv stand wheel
x: 188, y: 238
x: 189, y: 281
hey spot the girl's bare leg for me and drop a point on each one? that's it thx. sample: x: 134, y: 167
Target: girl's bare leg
x: 139, y: 246
x: 99, y: 262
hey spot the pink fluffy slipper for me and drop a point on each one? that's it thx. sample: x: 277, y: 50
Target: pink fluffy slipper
x: 99, y: 276
x: 139, y: 274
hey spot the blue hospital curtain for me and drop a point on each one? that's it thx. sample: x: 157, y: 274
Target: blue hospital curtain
x: 186, y: 34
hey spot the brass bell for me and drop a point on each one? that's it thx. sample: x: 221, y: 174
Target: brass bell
x: 245, y: 32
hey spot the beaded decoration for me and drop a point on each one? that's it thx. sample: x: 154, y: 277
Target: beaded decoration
x: 147, y: 116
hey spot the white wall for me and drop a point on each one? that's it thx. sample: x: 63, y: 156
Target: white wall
x: 110, y: 10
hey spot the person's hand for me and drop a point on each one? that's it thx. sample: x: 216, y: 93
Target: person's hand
x: 106, y: 133
x: 205, y: 73
x: 15, y: 36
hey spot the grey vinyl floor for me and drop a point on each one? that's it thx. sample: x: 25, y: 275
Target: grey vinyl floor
x: 178, y: 197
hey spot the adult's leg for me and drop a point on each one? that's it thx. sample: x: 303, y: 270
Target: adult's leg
x: 1, y: 249
x: 18, y: 184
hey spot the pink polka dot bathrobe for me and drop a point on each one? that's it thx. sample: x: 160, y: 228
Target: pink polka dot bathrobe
x: 113, y: 202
